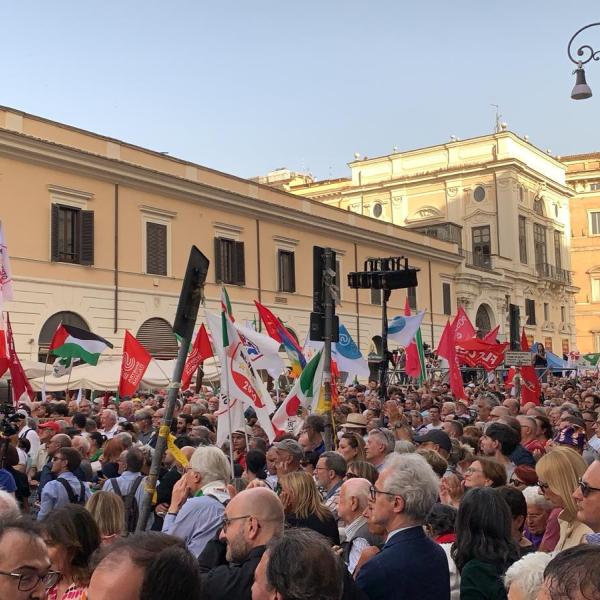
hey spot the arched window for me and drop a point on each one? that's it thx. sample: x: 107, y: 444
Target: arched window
x: 51, y: 325
x: 483, y: 319
x: 156, y: 335
x: 538, y: 206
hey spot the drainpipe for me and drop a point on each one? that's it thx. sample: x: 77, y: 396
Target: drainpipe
x: 116, y: 250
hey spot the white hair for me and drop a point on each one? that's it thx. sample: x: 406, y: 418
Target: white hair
x: 211, y: 463
x: 404, y: 447
x: 9, y: 509
x: 360, y: 489
x: 528, y: 574
x: 411, y: 477
x: 533, y: 496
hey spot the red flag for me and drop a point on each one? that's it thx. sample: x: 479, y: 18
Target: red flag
x: 491, y: 336
x: 477, y: 353
x: 271, y: 322
x: 4, y: 360
x: 462, y: 327
x: 21, y: 390
x: 335, y: 376
x: 530, y: 384
x: 447, y: 349
x: 133, y: 366
x: 413, y: 364
x: 201, y: 350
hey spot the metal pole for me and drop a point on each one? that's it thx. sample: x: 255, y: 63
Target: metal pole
x: 383, y: 366
x: 164, y: 431
x: 327, y: 335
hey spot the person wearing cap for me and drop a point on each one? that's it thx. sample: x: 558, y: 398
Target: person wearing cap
x: 46, y: 431
x: 437, y: 440
x: 238, y: 439
x: 289, y: 455
x: 573, y: 437
x: 28, y: 433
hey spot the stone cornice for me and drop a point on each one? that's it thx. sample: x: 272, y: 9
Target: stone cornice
x: 21, y: 147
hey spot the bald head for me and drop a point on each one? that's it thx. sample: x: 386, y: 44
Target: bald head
x: 187, y: 451
x: 261, y: 503
x: 354, y: 498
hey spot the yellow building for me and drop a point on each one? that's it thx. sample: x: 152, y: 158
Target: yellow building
x: 583, y: 175
x: 503, y: 201
x: 99, y: 232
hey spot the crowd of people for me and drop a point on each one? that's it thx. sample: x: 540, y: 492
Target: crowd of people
x: 416, y: 495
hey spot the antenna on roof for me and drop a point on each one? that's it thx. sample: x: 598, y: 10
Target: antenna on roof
x: 498, y: 127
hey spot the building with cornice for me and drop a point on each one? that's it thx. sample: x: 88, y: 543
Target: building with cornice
x: 583, y: 176
x: 502, y: 201
x: 99, y: 233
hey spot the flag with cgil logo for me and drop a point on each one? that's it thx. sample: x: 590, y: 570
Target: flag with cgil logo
x: 133, y: 365
x: 402, y: 330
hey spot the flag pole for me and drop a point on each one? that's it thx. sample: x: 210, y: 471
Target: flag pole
x: 225, y: 392
x: 161, y: 370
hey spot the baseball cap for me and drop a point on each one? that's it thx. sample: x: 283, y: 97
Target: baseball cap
x: 437, y: 436
x: 50, y: 425
x: 291, y: 446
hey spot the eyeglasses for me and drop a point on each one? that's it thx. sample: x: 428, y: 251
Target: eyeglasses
x: 515, y: 482
x: 350, y: 475
x: 374, y: 491
x: 471, y: 470
x: 226, y: 522
x: 543, y: 485
x: 586, y: 488
x: 28, y: 581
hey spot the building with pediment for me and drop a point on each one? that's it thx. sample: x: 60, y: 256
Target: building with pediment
x: 503, y: 201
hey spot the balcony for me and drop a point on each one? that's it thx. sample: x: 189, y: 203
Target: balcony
x: 477, y: 260
x: 552, y: 273
x: 447, y: 232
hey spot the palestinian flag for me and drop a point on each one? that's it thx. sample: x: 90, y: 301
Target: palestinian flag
x: 72, y: 342
x: 305, y: 393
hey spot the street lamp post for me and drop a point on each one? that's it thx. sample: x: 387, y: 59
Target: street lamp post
x: 586, y: 53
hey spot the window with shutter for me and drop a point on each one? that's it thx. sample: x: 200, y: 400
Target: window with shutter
x: 446, y: 298
x: 286, y: 277
x: 156, y: 248
x: 72, y: 234
x: 87, y: 237
x: 229, y: 262
x: 411, y: 293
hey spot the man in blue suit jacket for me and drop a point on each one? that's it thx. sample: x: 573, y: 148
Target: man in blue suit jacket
x: 410, y: 565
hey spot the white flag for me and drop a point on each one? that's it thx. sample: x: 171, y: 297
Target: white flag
x: 6, y: 282
x: 402, y: 330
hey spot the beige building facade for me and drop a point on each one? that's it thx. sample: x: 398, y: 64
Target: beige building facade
x: 99, y: 232
x: 504, y: 202
x: 583, y: 175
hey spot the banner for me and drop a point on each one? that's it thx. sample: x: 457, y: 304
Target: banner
x: 447, y: 349
x: 477, y: 353
x: 133, y: 365
x: 201, y: 350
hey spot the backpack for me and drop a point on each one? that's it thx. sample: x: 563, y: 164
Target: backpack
x: 73, y: 499
x: 132, y: 510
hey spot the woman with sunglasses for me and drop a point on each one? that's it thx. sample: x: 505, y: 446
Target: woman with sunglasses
x: 559, y: 472
x: 362, y: 469
x: 71, y: 535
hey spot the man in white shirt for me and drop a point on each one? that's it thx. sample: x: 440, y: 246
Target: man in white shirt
x: 20, y: 420
x: 109, y: 423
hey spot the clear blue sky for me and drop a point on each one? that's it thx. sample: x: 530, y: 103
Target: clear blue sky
x: 247, y: 86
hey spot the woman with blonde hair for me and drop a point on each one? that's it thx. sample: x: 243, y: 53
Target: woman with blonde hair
x: 303, y: 505
x: 108, y: 511
x: 558, y: 474
x: 351, y: 446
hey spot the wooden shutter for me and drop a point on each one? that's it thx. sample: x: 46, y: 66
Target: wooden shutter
x: 239, y: 266
x: 54, y: 233
x: 86, y: 230
x: 218, y: 261
x: 156, y: 248
x: 447, y: 298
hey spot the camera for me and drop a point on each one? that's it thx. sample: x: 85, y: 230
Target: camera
x: 7, y: 420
